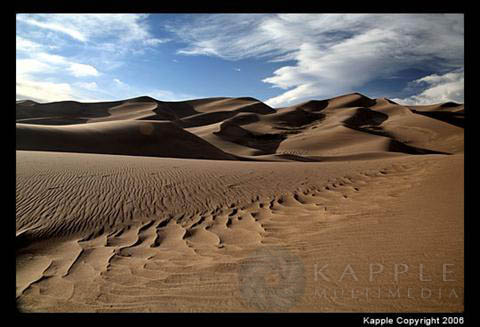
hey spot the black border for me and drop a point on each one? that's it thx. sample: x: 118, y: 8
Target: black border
x: 126, y: 6
x: 245, y: 6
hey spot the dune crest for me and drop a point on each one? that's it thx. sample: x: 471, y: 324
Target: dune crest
x: 243, y: 128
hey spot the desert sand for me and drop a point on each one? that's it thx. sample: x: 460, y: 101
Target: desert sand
x: 348, y: 204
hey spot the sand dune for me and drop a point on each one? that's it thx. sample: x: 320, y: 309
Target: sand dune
x: 243, y: 128
x: 143, y: 138
x: 228, y: 205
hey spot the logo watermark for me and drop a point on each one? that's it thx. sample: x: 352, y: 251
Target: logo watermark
x: 271, y: 279
x: 374, y: 283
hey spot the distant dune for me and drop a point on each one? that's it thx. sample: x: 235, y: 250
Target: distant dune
x: 131, y: 137
x: 143, y: 205
x: 240, y: 127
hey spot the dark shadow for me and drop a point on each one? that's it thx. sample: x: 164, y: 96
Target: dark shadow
x: 298, y: 118
x: 203, y: 119
x: 23, y: 240
x: 267, y: 143
x: 244, y: 119
x: 53, y: 121
x: 453, y: 118
x: 449, y: 104
x: 369, y: 121
x: 64, y: 110
x: 294, y: 157
x: 314, y: 105
x: 396, y: 146
x: 187, y: 116
x: 146, y: 139
x: 363, y: 101
x: 365, y: 116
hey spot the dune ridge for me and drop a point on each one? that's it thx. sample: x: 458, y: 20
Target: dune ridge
x: 243, y: 128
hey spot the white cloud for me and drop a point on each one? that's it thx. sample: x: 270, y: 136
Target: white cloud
x: 24, y: 44
x: 155, y: 41
x: 118, y: 29
x: 28, y: 88
x: 49, y: 58
x: 81, y: 70
x: 42, y: 62
x: 119, y: 83
x: 88, y: 86
x: 31, y: 66
x: 42, y: 75
x: 42, y: 91
x: 53, y: 26
x: 37, y: 78
x: 333, y: 53
x: 237, y: 69
x: 439, y: 89
x: 107, y: 38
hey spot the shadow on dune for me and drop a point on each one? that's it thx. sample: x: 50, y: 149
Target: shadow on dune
x: 396, y: 146
x: 23, y: 240
x: 298, y: 118
x: 207, y: 118
x: 365, y: 116
x: 53, y: 121
x: 369, y: 121
x: 62, y: 113
x: 266, y: 143
x: 186, y: 111
x: 139, y: 138
x: 453, y: 118
x: 314, y: 105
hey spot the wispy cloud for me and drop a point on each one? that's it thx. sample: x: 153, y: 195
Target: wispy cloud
x: 333, y: 53
x: 87, y: 85
x: 28, y: 87
x: 81, y: 70
x: 54, y: 26
x: 316, y: 56
x: 59, y: 47
x: 110, y: 31
x: 37, y: 77
x: 155, y: 41
x: 437, y: 89
x: 32, y: 66
x: 42, y: 62
x: 120, y: 83
x: 23, y: 44
x: 95, y: 40
x: 42, y: 91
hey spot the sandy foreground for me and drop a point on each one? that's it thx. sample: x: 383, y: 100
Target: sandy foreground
x: 227, y: 205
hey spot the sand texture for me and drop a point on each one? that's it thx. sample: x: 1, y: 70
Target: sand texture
x: 227, y: 205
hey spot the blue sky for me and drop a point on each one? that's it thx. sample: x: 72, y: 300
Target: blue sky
x: 279, y: 59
